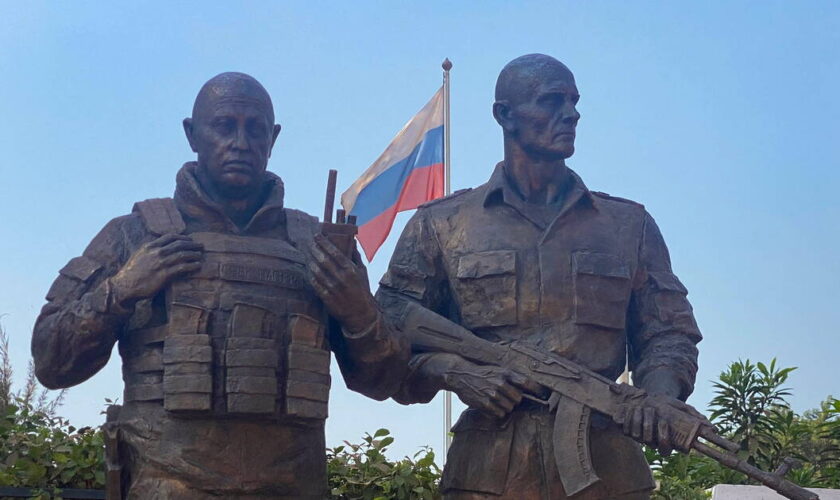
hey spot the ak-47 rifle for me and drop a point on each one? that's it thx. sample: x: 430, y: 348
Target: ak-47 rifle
x: 576, y: 391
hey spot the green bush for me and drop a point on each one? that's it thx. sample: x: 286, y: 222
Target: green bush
x: 39, y: 449
x: 363, y: 472
x: 46, y: 452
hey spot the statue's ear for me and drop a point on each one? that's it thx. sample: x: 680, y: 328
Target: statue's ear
x: 502, y: 113
x: 188, y: 130
x: 274, y: 133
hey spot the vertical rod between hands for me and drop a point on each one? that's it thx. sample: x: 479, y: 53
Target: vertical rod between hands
x: 329, y: 203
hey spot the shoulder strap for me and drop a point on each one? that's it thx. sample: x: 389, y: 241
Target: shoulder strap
x: 160, y: 215
x: 445, y: 198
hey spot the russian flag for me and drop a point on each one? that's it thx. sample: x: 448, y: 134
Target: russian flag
x: 407, y: 174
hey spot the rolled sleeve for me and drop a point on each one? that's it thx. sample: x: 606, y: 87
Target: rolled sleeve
x: 662, y: 331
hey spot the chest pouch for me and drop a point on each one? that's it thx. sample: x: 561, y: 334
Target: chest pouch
x: 308, y: 376
x: 251, y: 361
x: 187, y: 360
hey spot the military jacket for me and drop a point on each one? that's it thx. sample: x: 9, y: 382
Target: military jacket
x: 589, y: 279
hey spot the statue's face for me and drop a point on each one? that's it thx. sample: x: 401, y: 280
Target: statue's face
x: 233, y: 138
x: 544, y: 117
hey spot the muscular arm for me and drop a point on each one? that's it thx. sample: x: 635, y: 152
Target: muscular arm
x: 663, y: 332
x: 77, y: 328
x: 416, y: 274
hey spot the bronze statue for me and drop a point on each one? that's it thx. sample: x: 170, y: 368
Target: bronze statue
x: 526, y: 296
x: 533, y: 257
x: 225, y: 305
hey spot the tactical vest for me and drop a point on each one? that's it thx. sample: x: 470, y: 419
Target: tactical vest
x: 245, y: 336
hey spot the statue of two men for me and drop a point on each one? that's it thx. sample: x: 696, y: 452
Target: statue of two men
x: 226, y: 305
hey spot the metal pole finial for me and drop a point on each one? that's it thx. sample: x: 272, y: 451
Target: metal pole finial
x: 446, y: 65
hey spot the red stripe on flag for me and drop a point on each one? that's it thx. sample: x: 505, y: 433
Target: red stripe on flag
x: 423, y: 184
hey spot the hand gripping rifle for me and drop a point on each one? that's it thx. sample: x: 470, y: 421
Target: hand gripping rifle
x: 576, y: 391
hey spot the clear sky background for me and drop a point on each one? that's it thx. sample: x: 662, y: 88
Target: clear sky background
x: 721, y: 117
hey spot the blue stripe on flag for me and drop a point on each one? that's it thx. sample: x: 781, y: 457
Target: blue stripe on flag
x: 384, y: 190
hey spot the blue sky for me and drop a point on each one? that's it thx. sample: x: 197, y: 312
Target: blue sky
x: 721, y: 117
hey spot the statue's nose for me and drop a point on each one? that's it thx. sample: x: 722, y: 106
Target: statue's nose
x: 241, y: 140
x: 571, y: 115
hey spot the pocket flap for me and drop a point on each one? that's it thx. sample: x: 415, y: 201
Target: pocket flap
x: 600, y: 264
x: 663, y: 280
x: 480, y: 264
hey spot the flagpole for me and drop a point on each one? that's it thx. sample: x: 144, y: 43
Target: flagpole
x: 447, y: 65
x: 447, y: 189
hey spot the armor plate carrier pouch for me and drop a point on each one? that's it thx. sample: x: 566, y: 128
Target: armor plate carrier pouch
x: 244, y: 335
x: 308, y: 382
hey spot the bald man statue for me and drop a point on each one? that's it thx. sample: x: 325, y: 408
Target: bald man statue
x: 225, y: 309
x: 535, y: 257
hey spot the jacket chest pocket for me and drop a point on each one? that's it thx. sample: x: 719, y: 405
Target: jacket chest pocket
x: 486, y: 288
x: 602, y: 289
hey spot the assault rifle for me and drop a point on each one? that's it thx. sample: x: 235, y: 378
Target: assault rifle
x: 576, y: 391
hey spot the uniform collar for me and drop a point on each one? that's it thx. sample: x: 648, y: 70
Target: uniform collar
x: 194, y: 202
x: 500, y: 191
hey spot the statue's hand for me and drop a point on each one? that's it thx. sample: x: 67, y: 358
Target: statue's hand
x: 154, y: 265
x: 491, y: 389
x: 644, y: 423
x: 342, y: 285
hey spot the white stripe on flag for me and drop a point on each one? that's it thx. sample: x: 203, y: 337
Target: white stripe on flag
x: 431, y: 116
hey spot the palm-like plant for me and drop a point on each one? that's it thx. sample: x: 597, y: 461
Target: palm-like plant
x: 747, y: 396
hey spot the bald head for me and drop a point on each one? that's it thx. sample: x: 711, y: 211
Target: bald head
x: 232, y: 130
x: 521, y: 77
x: 536, y: 99
x: 234, y: 88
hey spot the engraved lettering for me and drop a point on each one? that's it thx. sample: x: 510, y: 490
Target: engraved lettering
x: 253, y: 274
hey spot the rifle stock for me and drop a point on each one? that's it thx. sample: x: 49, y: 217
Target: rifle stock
x: 576, y: 391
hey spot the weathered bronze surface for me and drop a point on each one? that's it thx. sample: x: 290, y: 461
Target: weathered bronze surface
x: 533, y: 257
x: 225, y: 305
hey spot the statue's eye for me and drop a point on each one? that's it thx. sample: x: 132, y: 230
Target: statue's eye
x: 553, y: 99
x: 256, y: 128
x: 223, y: 125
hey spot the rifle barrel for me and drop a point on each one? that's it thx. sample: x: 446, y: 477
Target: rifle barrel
x: 773, y: 481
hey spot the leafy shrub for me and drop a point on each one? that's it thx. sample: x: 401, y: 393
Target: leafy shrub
x: 37, y: 448
x: 362, y: 472
x: 46, y: 452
